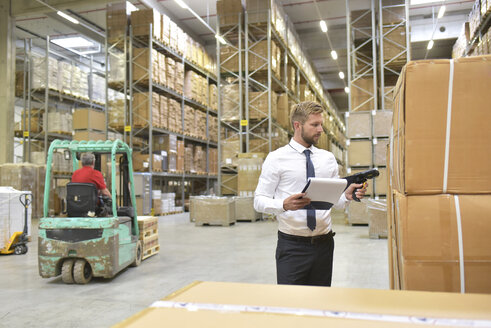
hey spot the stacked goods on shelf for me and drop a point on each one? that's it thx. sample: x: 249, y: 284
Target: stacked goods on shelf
x: 284, y: 104
x: 156, y: 202
x: 89, y: 124
x: 140, y: 108
x: 149, y: 235
x: 115, y: 106
x: 291, y: 75
x: 116, y: 20
x: 170, y: 69
x: 279, y: 138
x: 463, y: 39
x: 164, y: 112
x: 181, y: 153
x: 230, y: 110
x: 179, y: 78
x: 257, y: 13
x: 195, y: 87
x: 229, y: 184
x: 167, y: 144
x: 39, y: 77
x: 141, y: 162
x: 213, y: 128
x: 12, y: 214
x: 213, y: 97
x: 230, y: 147
x: 258, y: 105
x: 189, y: 128
x: 97, y: 89
x: 26, y: 177
x: 249, y: 170
x: 257, y: 54
x: 213, y: 161
x: 141, y: 20
x: 200, y: 124
x: 36, y: 122
x: 168, y: 202
x: 214, y: 211
x: 377, y: 218
x: 141, y: 63
x: 199, y: 158
x: 175, y: 115
x: 117, y: 70
x: 439, y: 177
x: 361, y: 94
x: 58, y: 122
x: 79, y: 83
x: 244, y: 209
x: 189, y: 159
x: 60, y: 164
x: 230, y: 12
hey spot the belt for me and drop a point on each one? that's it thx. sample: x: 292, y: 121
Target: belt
x: 308, y: 240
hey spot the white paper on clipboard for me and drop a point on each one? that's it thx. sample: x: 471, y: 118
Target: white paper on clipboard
x: 325, y: 189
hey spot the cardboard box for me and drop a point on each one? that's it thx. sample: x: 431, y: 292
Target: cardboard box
x: 380, y: 152
x: 229, y: 184
x: 88, y: 135
x: 380, y: 187
x: 215, y: 211
x: 86, y: 118
x: 382, y: 123
x: 360, y: 153
x: 141, y: 162
x: 428, y: 240
x: 359, y: 125
x: 141, y: 20
x: 258, y: 105
x: 394, y: 45
x: 357, y: 212
x: 244, y: 209
x: 377, y: 218
x: 229, y: 12
x: 420, y: 127
x: 226, y: 304
x: 249, y: 170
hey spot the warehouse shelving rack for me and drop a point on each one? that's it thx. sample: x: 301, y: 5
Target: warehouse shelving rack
x: 147, y: 132
x: 43, y: 97
x: 263, y: 82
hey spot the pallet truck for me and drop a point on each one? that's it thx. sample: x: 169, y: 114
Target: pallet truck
x: 17, y: 244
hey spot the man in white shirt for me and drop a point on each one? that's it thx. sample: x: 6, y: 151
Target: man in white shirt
x: 305, y: 246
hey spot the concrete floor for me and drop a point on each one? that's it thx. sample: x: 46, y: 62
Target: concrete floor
x: 243, y: 252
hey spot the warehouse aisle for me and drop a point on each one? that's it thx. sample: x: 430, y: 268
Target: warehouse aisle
x: 241, y: 253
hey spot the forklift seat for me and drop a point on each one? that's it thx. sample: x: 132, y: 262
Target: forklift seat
x: 81, y: 198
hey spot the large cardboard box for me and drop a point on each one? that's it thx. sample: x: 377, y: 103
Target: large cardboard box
x: 244, y: 209
x: 380, y: 187
x: 360, y: 153
x: 422, y: 114
x: 86, y: 118
x: 382, y: 123
x: 395, y: 45
x: 380, y: 152
x: 229, y: 184
x: 226, y: 304
x: 88, y: 135
x: 141, y: 20
x: 359, y: 125
x: 249, y: 170
x: 258, y: 105
x: 229, y: 11
x: 215, y: 211
x: 429, y: 242
x: 357, y: 212
x: 377, y: 218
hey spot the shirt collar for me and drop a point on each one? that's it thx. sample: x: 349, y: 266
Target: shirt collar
x: 298, y: 147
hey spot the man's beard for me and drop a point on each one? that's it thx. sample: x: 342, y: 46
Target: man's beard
x: 309, y: 140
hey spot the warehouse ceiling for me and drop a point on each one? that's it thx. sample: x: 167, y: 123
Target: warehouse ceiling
x: 305, y: 15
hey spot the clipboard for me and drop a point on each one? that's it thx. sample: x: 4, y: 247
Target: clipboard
x: 324, y: 192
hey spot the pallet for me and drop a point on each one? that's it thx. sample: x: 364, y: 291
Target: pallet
x: 377, y: 236
x: 115, y: 85
x: 150, y: 242
x: 223, y: 224
x: 145, y: 234
x: 152, y: 251
x: 171, y: 213
x: 61, y: 173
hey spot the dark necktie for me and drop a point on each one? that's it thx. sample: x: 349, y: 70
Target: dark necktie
x: 310, y: 174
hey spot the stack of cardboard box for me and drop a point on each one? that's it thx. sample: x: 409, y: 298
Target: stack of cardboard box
x: 213, y: 161
x: 249, y: 170
x: 141, y: 20
x: 189, y: 120
x: 189, y: 159
x: 200, y: 124
x: 174, y: 115
x: 230, y: 12
x: 213, y: 97
x: 89, y: 124
x: 214, y: 211
x: 440, y: 180
x: 181, y: 153
x: 141, y: 109
x: 116, y: 20
x: 167, y: 144
x: 258, y: 105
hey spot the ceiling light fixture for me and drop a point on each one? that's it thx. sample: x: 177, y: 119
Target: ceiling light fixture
x: 430, y: 45
x: 334, y: 54
x: 346, y: 89
x: 221, y: 39
x: 441, y: 12
x: 67, y: 17
x: 341, y: 75
x: 323, y: 26
x: 182, y: 4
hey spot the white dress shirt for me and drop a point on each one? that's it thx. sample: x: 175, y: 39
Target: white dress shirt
x: 284, y: 174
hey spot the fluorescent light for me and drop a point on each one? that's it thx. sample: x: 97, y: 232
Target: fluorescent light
x: 420, y: 2
x: 334, y: 54
x: 130, y: 8
x: 346, y: 89
x: 68, y: 18
x: 441, y: 12
x: 221, y: 39
x: 430, y: 45
x: 323, y: 26
x: 73, y: 42
x: 182, y: 4
x: 341, y: 75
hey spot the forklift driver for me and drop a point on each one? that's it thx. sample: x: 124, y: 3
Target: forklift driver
x: 87, y: 174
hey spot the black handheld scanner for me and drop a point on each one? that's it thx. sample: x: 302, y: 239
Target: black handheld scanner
x: 360, y: 177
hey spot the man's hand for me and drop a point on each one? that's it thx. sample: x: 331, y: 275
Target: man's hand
x: 295, y: 202
x: 360, y: 193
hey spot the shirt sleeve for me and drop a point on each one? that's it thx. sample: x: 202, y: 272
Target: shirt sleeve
x: 264, y: 201
x: 99, y: 180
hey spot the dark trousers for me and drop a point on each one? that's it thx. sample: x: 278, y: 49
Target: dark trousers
x: 303, y: 260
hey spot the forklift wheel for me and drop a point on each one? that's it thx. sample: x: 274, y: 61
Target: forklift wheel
x: 67, y: 271
x: 18, y: 250
x: 24, y: 249
x: 138, y: 255
x: 82, y: 272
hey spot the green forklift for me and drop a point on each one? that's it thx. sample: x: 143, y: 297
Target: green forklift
x: 98, y: 237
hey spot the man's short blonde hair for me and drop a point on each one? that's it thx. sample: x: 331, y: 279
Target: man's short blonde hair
x: 301, y: 111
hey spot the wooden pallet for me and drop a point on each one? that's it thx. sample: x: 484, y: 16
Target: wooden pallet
x: 148, y: 233
x: 149, y: 252
x: 171, y: 213
x: 215, y: 223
